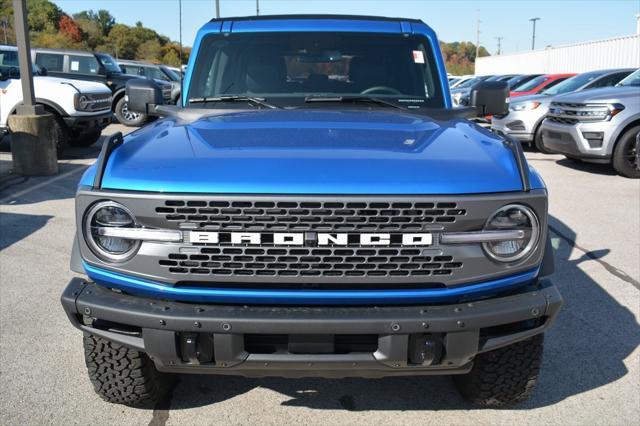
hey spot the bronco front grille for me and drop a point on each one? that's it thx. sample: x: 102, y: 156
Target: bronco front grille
x: 311, y: 262
x: 309, y: 216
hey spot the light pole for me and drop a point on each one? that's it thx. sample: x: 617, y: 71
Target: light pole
x: 478, y: 21
x: 257, y: 7
x: 33, y: 143
x: 217, y: 9
x: 499, y: 44
x: 533, y: 38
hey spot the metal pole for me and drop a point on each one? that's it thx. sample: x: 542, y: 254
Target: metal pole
x: 478, y: 32
x: 28, y: 106
x: 4, y: 22
x: 257, y: 7
x: 217, y: 9
x: 533, y: 37
x: 499, y: 44
x: 181, y: 75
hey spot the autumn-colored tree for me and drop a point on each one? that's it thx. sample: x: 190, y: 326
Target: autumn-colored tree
x: 70, y: 28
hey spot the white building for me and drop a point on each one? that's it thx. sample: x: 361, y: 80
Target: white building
x: 617, y: 52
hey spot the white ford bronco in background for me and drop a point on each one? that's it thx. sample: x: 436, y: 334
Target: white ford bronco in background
x: 81, y: 108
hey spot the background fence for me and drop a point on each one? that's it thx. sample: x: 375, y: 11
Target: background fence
x: 618, y: 52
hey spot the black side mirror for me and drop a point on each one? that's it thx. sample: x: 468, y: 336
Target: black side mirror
x: 14, y: 73
x: 143, y: 95
x: 490, y: 98
x: 43, y: 71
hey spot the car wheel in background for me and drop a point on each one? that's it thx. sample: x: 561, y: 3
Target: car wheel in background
x: 61, y: 133
x: 126, y: 117
x: 626, y: 157
x: 537, y: 141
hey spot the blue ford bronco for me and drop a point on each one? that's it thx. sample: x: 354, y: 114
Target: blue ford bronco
x: 313, y: 207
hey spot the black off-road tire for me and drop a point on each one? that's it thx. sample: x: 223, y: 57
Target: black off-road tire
x: 537, y: 141
x: 127, y: 118
x: 87, y: 138
x: 624, y: 154
x: 123, y: 376
x: 61, y: 133
x: 505, y: 376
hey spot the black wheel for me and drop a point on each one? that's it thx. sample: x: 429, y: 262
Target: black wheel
x: 537, y: 141
x: 123, y: 376
x: 626, y: 154
x: 61, y: 133
x: 86, y: 139
x: 126, y: 117
x: 505, y: 376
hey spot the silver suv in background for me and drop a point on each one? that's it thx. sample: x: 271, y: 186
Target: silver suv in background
x: 527, y: 112
x: 155, y: 72
x: 599, y: 125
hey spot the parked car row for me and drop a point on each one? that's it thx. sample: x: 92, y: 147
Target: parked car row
x: 593, y: 117
x: 83, y: 90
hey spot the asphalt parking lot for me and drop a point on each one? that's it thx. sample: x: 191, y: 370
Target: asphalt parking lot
x: 591, y: 371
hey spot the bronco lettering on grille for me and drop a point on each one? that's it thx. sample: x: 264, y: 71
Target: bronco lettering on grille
x: 310, y: 238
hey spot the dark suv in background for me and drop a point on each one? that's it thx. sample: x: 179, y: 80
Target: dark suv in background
x: 156, y: 72
x: 94, y: 66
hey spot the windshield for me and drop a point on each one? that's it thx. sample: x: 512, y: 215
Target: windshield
x: 286, y: 68
x: 571, y: 84
x: 532, y: 84
x: 631, y: 80
x: 108, y: 63
x: 469, y: 83
x: 173, y: 76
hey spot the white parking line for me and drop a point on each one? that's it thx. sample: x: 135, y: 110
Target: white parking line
x: 19, y: 194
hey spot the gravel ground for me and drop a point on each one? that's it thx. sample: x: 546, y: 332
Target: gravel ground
x: 591, y: 365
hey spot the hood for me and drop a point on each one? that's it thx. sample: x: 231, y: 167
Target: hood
x: 81, y: 85
x: 313, y: 151
x: 543, y: 99
x: 603, y: 94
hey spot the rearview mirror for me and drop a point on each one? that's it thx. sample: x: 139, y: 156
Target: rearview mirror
x: 143, y: 95
x: 490, y: 98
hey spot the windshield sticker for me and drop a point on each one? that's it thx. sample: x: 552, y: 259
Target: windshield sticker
x: 75, y: 65
x: 418, y: 57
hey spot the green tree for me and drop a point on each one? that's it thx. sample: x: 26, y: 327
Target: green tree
x: 150, y: 50
x: 43, y: 15
x: 171, y: 58
x: 123, y: 41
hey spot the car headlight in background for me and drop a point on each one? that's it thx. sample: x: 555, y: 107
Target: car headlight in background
x: 513, y: 217
x: 524, y: 106
x: 102, y: 217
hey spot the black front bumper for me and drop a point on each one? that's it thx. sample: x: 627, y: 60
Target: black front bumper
x: 82, y: 124
x: 193, y: 338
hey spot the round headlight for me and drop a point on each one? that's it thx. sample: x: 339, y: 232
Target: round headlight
x: 99, y: 218
x: 513, y: 217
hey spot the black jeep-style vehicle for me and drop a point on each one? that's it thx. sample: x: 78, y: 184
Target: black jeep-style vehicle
x: 95, y: 66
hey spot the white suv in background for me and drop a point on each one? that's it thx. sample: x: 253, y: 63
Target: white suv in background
x: 599, y: 125
x: 81, y: 108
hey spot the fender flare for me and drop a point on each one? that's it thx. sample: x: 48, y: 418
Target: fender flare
x: 47, y: 103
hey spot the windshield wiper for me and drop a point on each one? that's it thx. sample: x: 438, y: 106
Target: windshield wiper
x: 354, y: 99
x: 238, y: 98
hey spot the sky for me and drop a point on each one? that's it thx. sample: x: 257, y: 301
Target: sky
x: 562, y: 21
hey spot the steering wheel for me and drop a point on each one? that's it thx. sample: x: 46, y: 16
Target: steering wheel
x: 381, y: 88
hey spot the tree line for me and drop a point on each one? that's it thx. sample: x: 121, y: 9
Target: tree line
x: 460, y: 56
x: 50, y: 26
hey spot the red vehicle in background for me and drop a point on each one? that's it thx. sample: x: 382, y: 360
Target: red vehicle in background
x: 536, y: 85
